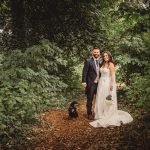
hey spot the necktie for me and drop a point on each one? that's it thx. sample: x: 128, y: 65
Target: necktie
x: 97, y: 63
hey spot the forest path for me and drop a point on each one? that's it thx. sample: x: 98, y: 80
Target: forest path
x: 57, y: 132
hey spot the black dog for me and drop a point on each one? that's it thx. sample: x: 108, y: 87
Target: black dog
x: 72, y: 110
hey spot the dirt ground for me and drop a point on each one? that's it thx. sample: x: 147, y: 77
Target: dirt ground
x: 57, y: 132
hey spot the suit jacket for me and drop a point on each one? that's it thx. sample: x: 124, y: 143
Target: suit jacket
x: 89, y: 73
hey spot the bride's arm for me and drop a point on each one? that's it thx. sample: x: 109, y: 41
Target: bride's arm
x: 112, y: 75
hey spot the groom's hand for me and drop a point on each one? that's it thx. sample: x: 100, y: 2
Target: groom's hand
x: 84, y: 85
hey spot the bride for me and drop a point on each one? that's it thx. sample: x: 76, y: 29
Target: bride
x: 107, y: 114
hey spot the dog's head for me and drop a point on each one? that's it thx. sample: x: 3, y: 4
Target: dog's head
x: 72, y: 104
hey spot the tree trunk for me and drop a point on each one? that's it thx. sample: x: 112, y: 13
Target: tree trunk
x: 18, y: 25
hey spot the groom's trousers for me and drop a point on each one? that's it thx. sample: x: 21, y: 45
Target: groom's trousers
x: 90, y: 94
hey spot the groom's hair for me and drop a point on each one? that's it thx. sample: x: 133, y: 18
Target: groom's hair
x: 95, y: 48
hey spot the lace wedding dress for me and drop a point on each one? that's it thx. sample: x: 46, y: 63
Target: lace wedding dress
x: 107, y: 114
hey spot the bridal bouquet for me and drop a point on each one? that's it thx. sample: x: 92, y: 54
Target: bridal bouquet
x: 109, y: 99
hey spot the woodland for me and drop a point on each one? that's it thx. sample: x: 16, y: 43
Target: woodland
x: 43, y: 45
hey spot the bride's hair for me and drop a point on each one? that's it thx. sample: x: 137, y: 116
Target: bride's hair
x: 110, y: 58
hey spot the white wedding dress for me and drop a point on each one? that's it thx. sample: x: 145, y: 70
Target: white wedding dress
x: 107, y: 114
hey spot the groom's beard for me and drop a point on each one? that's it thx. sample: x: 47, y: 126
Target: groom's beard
x: 96, y: 56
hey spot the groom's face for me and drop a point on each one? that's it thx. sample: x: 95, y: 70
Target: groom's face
x: 96, y: 53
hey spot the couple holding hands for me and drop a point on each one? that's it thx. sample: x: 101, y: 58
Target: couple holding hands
x: 98, y: 78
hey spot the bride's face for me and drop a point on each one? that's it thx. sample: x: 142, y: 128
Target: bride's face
x: 106, y: 57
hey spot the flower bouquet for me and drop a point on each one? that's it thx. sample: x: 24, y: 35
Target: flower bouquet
x: 109, y: 99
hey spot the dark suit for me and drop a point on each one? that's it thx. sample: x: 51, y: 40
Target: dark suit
x: 89, y: 75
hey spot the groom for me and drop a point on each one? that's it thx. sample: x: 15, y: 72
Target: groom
x: 90, y: 77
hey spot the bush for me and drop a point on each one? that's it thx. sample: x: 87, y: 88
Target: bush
x: 138, y: 92
x: 30, y: 82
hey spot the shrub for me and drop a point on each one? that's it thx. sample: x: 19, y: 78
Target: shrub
x: 138, y: 92
x: 30, y: 82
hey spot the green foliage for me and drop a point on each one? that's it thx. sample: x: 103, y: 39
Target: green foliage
x: 73, y: 78
x: 126, y: 27
x: 30, y: 82
x: 138, y: 92
x: 4, y: 12
x: 73, y: 25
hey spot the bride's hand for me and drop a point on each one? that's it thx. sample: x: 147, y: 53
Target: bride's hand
x: 84, y: 85
x: 111, y: 88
